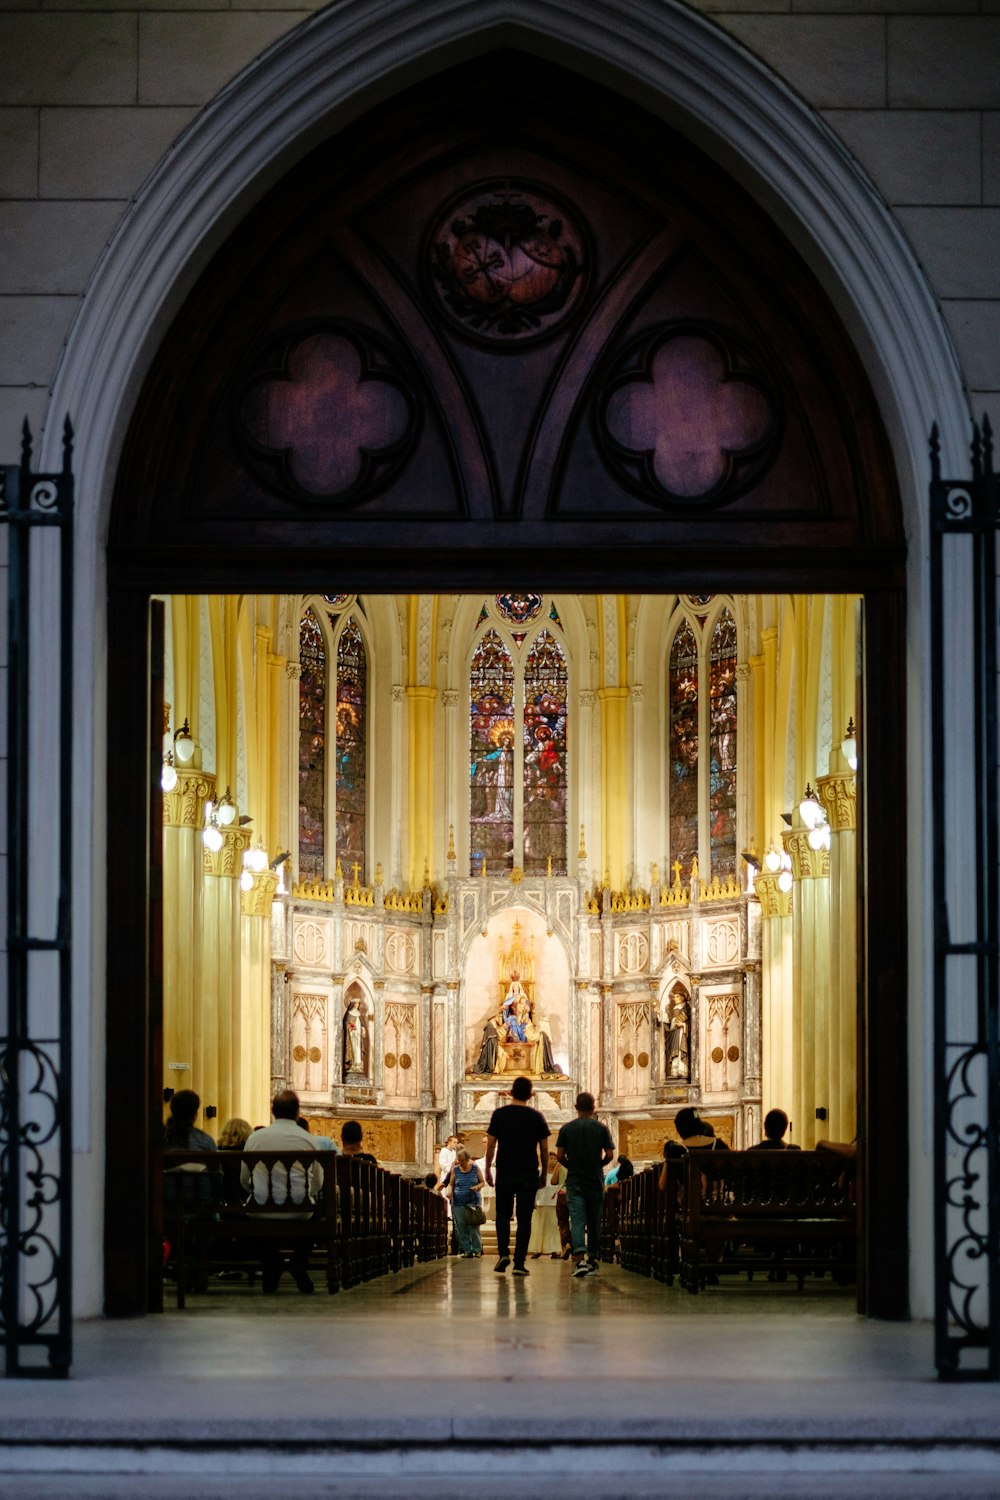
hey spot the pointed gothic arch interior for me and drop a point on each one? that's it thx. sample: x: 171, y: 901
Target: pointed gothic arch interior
x: 504, y: 319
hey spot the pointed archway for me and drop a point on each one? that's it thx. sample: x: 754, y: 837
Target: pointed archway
x: 326, y: 71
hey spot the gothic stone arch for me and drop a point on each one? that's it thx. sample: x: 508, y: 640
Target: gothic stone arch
x: 502, y: 283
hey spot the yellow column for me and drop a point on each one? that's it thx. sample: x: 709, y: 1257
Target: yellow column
x: 614, y: 780
x: 420, y: 718
x: 253, y: 1098
x: 183, y: 819
x: 811, y: 980
x: 217, y: 1048
x: 777, y: 1005
x: 839, y: 794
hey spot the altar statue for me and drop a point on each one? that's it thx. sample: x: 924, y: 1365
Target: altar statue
x: 678, y: 1051
x: 354, y: 1039
x: 516, y: 1010
x: 548, y: 1061
x: 490, y: 1050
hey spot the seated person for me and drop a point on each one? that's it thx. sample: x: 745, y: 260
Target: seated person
x: 620, y: 1172
x: 300, y: 1184
x: 695, y: 1134
x: 351, y: 1136
x: 775, y: 1125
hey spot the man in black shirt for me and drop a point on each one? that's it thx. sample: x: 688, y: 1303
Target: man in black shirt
x: 584, y: 1146
x: 521, y: 1134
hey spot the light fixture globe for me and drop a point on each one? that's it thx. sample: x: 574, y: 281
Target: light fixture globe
x: 226, y: 809
x: 785, y: 880
x: 246, y: 881
x: 212, y: 839
x: 772, y: 860
x: 168, y: 776
x: 849, y: 745
x: 184, y: 744
x: 257, y: 859
x: 810, y: 810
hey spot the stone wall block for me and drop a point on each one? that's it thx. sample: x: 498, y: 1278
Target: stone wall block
x: 991, y: 158
x: 185, y: 59
x: 32, y: 331
x: 944, y: 64
x: 914, y: 157
x: 63, y: 59
x: 16, y: 403
x: 958, y: 248
x: 18, y: 153
x: 975, y: 327
x: 52, y: 247
x: 104, y: 153
x: 832, y: 60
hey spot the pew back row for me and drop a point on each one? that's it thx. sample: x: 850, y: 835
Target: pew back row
x: 362, y: 1220
x: 780, y: 1212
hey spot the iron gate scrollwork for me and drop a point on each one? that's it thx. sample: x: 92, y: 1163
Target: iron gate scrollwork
x: 36, y: 521
x: 965, y: 516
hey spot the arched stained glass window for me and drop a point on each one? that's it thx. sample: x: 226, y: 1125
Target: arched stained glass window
x: 544, y: 742
x: 491, y: 756
x: 312, y: 748
x: 722, y: 742
x: 351, y: 742
x: 683, y: 789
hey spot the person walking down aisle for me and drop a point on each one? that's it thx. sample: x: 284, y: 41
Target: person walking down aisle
x: 584, y: 1146
x: 520, y: 1132
x: 465, y: 1183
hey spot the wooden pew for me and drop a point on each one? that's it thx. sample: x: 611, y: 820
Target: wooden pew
x: 360, y: 1219
x: 777, y: 1211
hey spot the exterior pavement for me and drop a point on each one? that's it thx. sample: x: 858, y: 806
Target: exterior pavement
x: 449, y: 1379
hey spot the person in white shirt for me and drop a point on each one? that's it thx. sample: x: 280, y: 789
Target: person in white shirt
x: 301, y: 1184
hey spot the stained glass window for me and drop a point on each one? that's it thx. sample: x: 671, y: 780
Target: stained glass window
x: 544, y: 740
x: 683, y: 790
x: 351, y: 733
x: 312, y: 747
x: 722, y: 746
x: 491, y: 756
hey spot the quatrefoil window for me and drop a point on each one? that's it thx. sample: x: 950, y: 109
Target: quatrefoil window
x: 329, y: 417
x: 688, y: 416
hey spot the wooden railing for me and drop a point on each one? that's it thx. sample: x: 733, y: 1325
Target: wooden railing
x: 359, y: 1219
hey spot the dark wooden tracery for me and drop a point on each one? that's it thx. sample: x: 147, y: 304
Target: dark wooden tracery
x: 510, y: 331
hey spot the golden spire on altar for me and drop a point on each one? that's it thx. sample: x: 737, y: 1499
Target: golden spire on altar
x: 451, y: 841
x: 581, y: 853
x: 339, y: 869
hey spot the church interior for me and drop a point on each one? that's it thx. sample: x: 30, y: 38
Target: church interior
x: 415, y: 845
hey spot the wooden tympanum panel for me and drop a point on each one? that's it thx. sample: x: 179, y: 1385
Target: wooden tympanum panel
x: 507, y: 311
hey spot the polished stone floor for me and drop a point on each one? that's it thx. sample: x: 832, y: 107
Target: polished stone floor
x: 604, y: 1386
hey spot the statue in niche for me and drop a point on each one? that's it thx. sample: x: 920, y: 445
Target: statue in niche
x: 678, y: 1025
x: 354, y: 1040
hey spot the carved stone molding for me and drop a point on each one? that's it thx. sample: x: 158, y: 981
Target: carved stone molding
x: 229, y: 859
x: 256, y: 902
x: 293, y: 670
x: 587, y: 698
x: 184, y: 807
x: 839, y: 796
x: 637, y: 692
x: 451, y: 698
x: 398, y: 693
x: 807, y: 863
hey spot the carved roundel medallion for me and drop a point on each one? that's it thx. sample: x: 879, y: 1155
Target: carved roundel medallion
x: 507, y: 262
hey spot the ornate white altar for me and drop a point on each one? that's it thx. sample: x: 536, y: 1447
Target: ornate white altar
x: 650, y: 998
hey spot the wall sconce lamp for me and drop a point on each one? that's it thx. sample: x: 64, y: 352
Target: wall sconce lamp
x: 212, y: 834
x: 183, y: 744
x: 849, y: 745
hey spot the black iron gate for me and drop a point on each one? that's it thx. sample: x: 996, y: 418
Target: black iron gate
x: 965, y: 516
x: 36, y: 534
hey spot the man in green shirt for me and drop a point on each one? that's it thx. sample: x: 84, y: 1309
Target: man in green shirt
x: 584, y: 1146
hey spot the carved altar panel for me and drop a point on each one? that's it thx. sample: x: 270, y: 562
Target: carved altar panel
x: 310, y: 1071
x: 722, y: 1052
x: 438, y: 1025
x: 632, y: 953
x: 357, y: 938
x: 400, y: 1050
x: 596, y: 1049
x: 387, y: 1140
x: 642, y: 1140
x: 401, y: 951
x: 439, y: 951
x: 675, y: 937
x: 633, y: 1048
x: 311, y: 943
x: 721, y: 942
x: 595, y: 955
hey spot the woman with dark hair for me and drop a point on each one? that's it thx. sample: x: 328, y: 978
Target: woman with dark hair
x: 189, y: 1184
x: 620, y: 1172
x: 180, y: 1133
